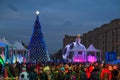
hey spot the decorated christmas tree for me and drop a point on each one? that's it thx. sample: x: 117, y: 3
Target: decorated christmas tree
x: 37, y: 48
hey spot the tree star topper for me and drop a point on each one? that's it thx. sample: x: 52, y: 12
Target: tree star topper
x: 37, y: 12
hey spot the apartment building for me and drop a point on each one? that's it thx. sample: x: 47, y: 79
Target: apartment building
x: 105, y: 38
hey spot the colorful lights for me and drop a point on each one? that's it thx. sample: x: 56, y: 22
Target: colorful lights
x: 92, y: 59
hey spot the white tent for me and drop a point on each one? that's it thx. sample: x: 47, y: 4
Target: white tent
x: 3, y: 40
x: 78, y: 47
x: 91, y: 48
x: 19, y: 46
x: 75, y: 51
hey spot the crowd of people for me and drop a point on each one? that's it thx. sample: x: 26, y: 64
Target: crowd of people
x: 62, y: 71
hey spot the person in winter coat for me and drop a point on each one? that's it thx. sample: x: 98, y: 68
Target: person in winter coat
x: 95, y: 73
x: 61, y: 74
x: 115, y: 73
x: 88, y: 71
x: 83, y: 75
x: 6, y: 67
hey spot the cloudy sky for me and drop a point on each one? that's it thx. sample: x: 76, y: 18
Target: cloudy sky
x: 57, y: 18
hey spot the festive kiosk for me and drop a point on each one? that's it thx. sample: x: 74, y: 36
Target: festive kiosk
x: 3, y: 53
x: 12, y: 52
x: 21, y: 54
x: 75, y: 52
x: 93, y: 53
x: 5, y: 49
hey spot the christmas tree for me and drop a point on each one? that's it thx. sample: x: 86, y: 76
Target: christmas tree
x: 37, y: 48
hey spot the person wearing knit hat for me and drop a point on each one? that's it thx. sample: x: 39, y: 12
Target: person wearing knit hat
x: 48, y: 72
x: 47, y: 68
x: 61, y: 74
x: 24, y: 75
x: 62, y: 69
x: 66, y: 68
